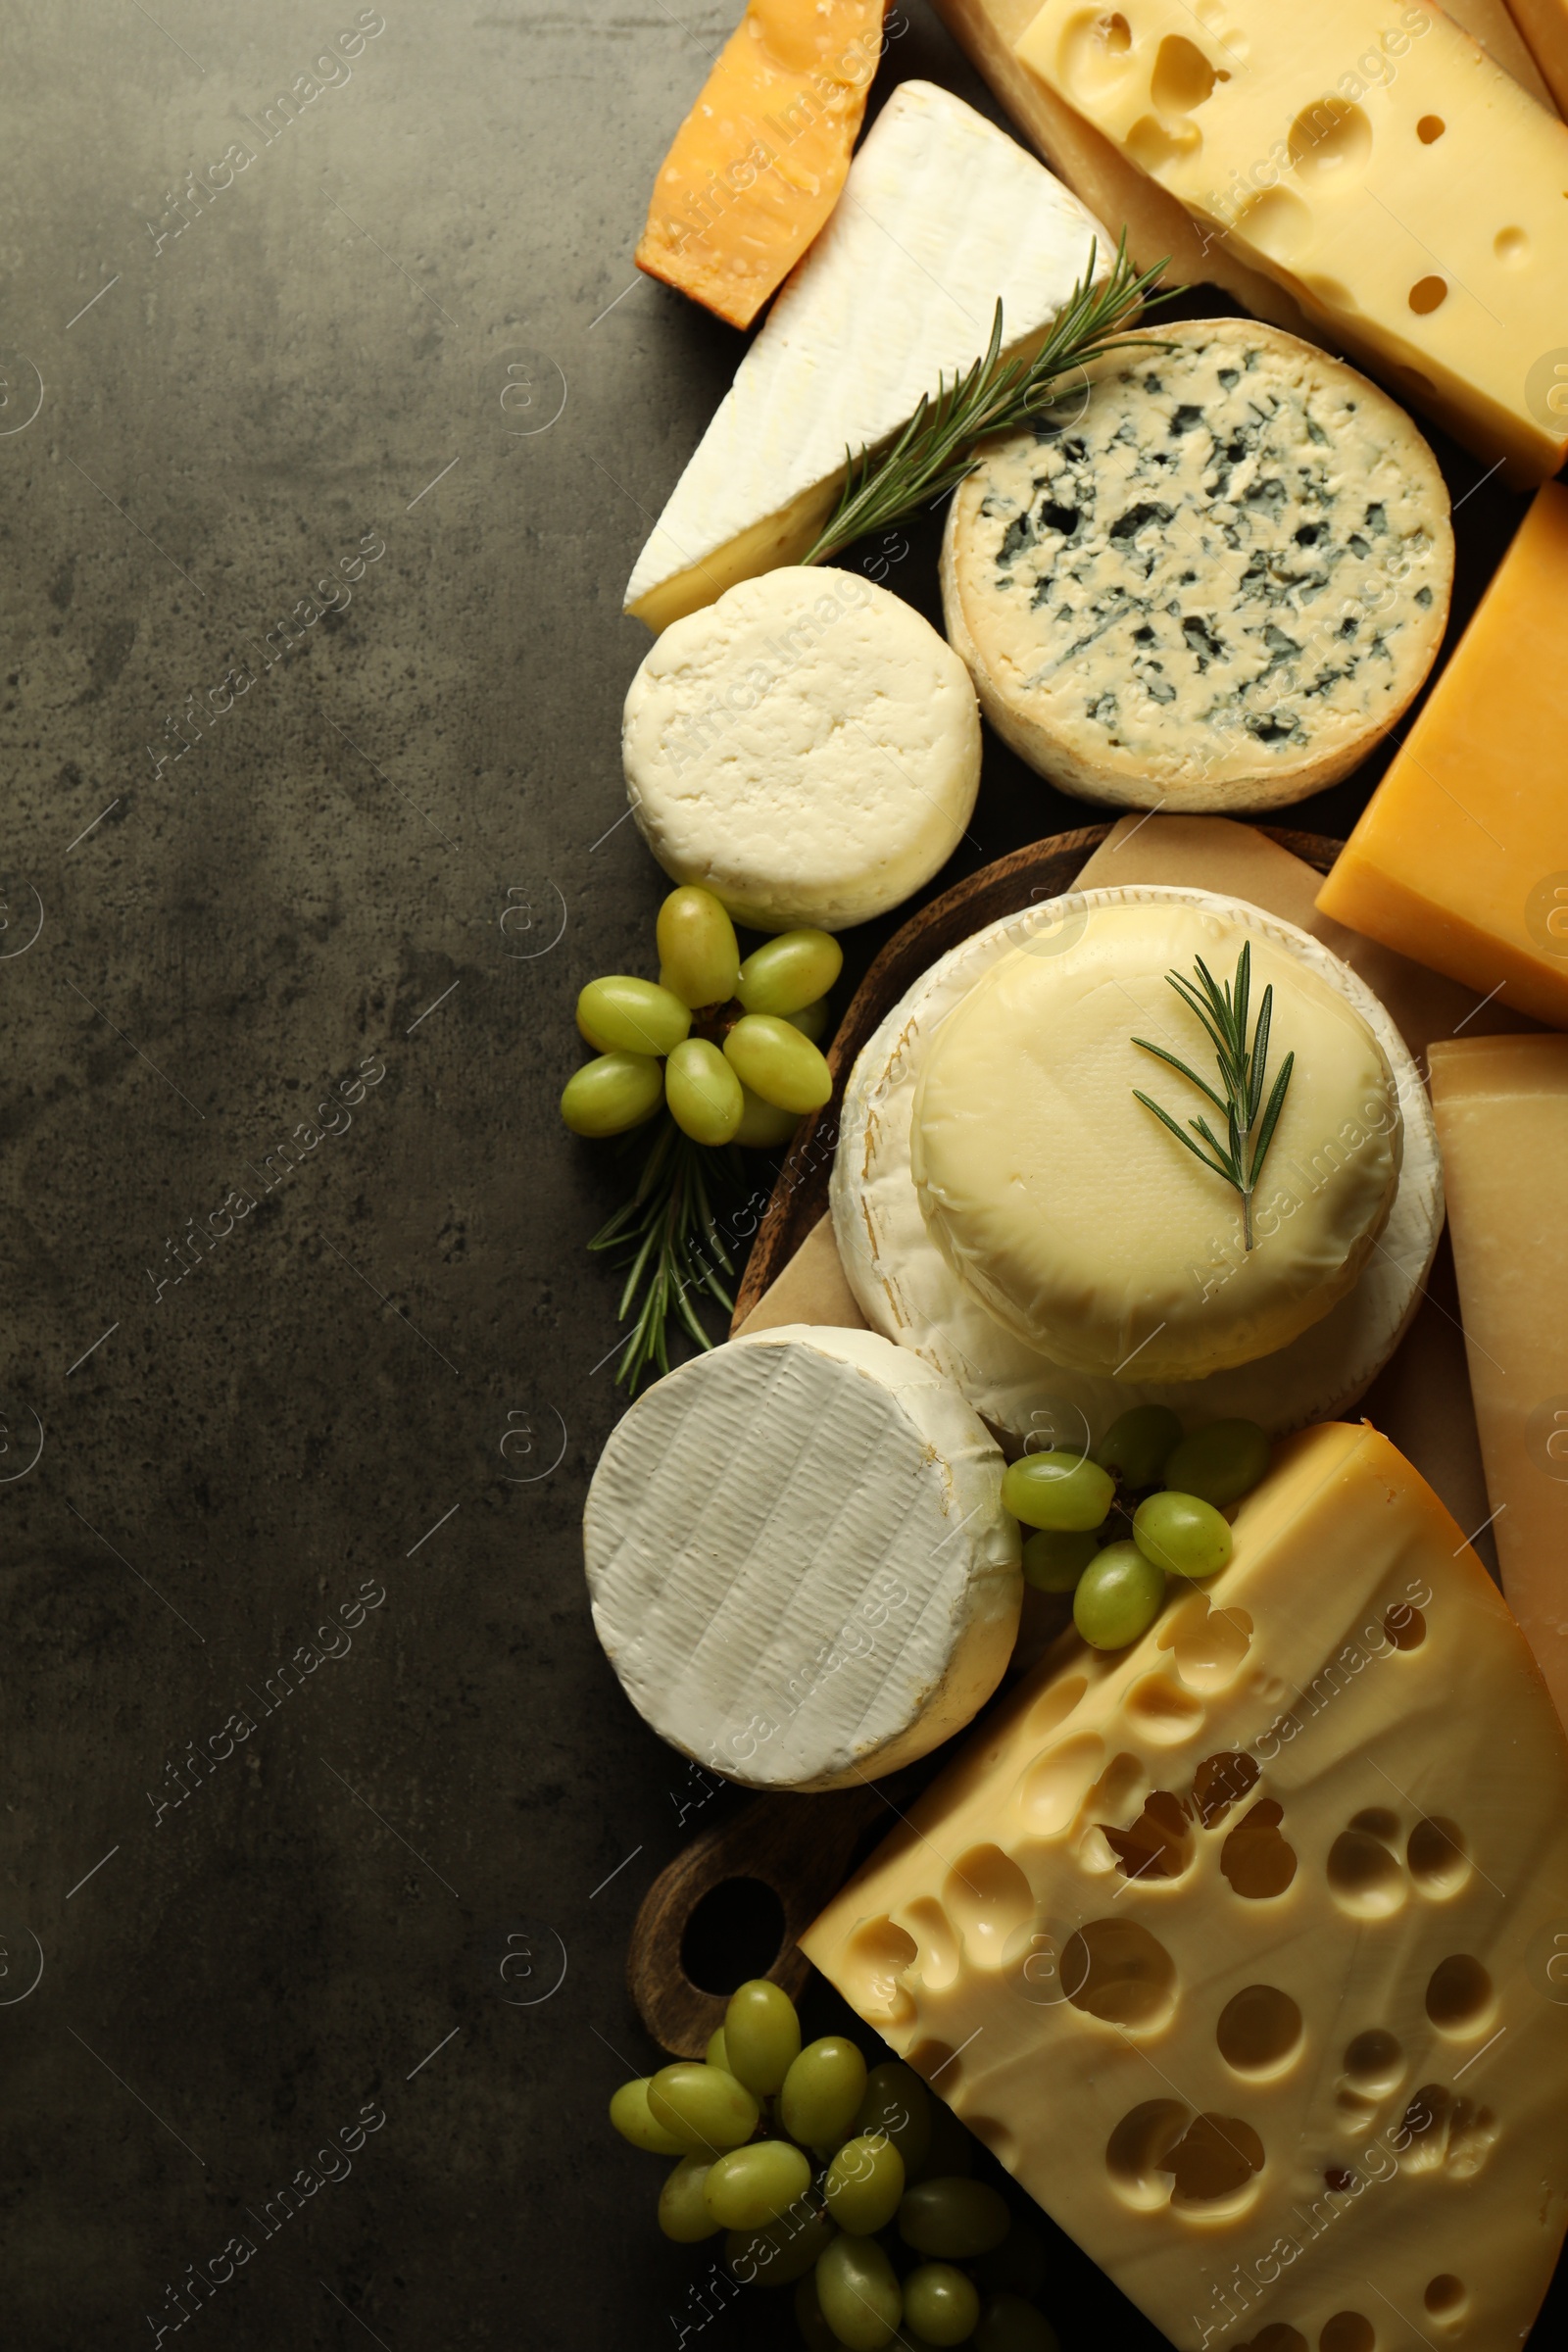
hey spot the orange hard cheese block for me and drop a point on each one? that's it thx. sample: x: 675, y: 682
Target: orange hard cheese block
x: 758, y: 163
x: 1461, y: 859
x: 1502, y: 1105
x: 1244, y: 1948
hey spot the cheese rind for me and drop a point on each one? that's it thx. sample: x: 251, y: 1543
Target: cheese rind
x: 942, y: 215
x: 1460, y: 858
x: 1544, y: 27
x: 1211, y: 583
x: 1382, y: 166
x: 1239, y: 1947
x: 808, y: 748
x: 1501, y: 1106
x: 1075, y: 1215
x: 798, y: 1558
x: 907, y: 1289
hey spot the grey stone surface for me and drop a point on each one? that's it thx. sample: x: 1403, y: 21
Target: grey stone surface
x: 318, y: 493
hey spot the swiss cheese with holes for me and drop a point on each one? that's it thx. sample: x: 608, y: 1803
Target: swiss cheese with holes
x: 1246, y: 1948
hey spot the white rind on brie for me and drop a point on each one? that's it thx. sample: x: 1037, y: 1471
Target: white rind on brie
x: 907, y: 1289
x: 799, y: 1561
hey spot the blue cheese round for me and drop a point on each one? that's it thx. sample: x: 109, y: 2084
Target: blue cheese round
x: 1209, y: 580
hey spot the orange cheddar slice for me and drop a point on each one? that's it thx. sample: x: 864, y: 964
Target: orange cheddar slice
x: 758, y: 164
x: 1461, y: 859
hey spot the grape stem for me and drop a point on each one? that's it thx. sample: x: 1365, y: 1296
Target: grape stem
x: 670, y: 1239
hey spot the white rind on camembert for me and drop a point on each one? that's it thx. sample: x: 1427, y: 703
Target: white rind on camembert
x: 907, y: 1289
x: 1071, y: 1211
x: 1209, y: 581
x: 799, y: 1561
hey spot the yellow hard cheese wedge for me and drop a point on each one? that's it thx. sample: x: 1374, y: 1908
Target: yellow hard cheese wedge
x: 758, y: 164
x: 1502, y: 1105
x: 1461, y: 859
x: 1243, y: 1947
x: 1373, y: 160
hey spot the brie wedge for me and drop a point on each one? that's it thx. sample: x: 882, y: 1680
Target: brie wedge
x: 907, y: 1289
x: 942, y: 215
x: 799, y: 1561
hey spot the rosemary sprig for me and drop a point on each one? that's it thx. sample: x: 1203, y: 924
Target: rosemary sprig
x: 1243, y: 1070
x: 937, y: 448
x: 669, y: 1236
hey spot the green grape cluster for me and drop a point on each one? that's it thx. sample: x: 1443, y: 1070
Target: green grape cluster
x: 730, y: 1046
x: 852, y: 2187
x: 1147, y: 1505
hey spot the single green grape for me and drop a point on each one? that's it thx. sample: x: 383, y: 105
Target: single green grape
x: 1181, y: 1535
x: 763, y: 2036
x: 699, y: 959
x: 815, y: 2333
x: 1136, y: 1443
x: 623, y: 1016
x: 617, y: 1092
x: 764, y: 1126
x: 1059, y: 1490
x: 864, y: 2184
x: 705, y: 1097
x: 822, y: 2092
x: 788, y: 971
x: 704, y: 2107
x: 953, y: 2219
x: 1056, y: 1558
x: 1119, y: 1595
x: 1219, y: 1464
x: 940, y: 2303
x: 784, y: 2251
x: 812, y: 1020
x: 950, y: 2149
x: 1017, y: 2267
x: 628, y: 2112
x: 857, y: 2288
x: 778, y: 1064
x: 715, y: 2053
x: 1008, y: 2323
x: 683, y: 2209
x: 897, y: 2102
x: 756, y: 2184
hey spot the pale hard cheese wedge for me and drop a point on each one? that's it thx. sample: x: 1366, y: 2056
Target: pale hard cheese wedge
x: 942, y: 215
x: 1375, y: 161
x: 808, y: 748
x: 1212, y: 580
x: 799, y: 1561
x: 1502, y: 1105
x: 1240, y: 1947
x: 1071, y: 1209
x: 907, y: 1288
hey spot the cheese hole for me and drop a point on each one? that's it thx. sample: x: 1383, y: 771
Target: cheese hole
x: 1277, y: 223
x: 1115, y: 1969
x: 1447, y: 2297
x: 937, y: 1954
x: 1002, y: 2143
x: 1404, y: 1625
x: 931, y: 2058
x: 1377, y: 1822
x: 1094, y: 52
x: 1162, y: 1711
x: 1430, y: 129
x: 1056, y: 1704
x: 1375, y: 2062
x: 1216, y: 2159
x: 1159, y: 1842
x: 1511, y: 247
x: 1460, y: 1996
x: 1439, y: 1862
x: 1219, y: 1783
x: 988, y: 1897
x: 1330, y: 143
x: 1255, y: 1857
x: 1332, y: 293
x: 1339, y: 2179
x: 1135, y: 2151
x: 1053, y: 1787
x: 1183, y: 76
x: 1365, y: 1878
x: 1259, y: 2031
x: 1209, y: 1643
x: 1427, y: 294
x: 1347, y: 2331
x: 1152, y: 145
x: 875, y: 1958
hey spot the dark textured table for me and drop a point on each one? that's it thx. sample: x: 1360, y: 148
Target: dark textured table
x: 333, y: 416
